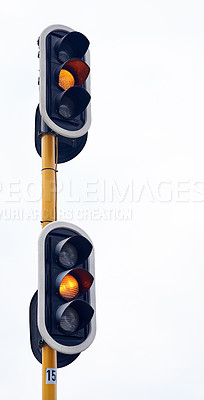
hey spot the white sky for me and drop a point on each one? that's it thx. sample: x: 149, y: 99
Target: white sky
x: 145, y: 147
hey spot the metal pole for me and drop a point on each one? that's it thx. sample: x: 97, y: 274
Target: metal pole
x: 49, y: 214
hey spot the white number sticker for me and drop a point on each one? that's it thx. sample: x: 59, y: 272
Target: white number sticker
x: 51, y: 376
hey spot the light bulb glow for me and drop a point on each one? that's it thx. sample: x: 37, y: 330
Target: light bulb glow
x: 69, y: 287
x: 66, y: 79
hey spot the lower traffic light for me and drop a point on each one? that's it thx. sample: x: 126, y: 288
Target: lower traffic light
x: 66, y: 295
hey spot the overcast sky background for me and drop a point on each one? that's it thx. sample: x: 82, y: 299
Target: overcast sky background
x: 137, y: 189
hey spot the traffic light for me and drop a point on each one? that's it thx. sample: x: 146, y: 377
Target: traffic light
x: 64, y: 86
x: 66, y: 294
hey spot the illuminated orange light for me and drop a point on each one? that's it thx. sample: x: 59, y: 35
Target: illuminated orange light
x: 69, y: 287
x: 66, y: 79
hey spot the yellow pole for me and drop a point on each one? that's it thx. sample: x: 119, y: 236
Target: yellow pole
x: 49, y: 214
x: 49, y: 192
x: 49, y: 366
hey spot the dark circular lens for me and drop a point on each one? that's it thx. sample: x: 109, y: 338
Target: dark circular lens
x: 68, y: 256
x: 72, y: 102
x: 64, y: 111
x: 69, y: 320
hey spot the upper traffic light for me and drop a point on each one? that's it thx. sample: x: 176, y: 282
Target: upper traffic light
x: 64, y: 81
x: 66, y: 296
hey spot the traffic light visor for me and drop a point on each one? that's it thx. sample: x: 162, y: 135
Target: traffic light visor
x: 74, y: 316
x: 84, y: 278
x: 72, y: 102
x: 72, y: 251
x: 74, y: 44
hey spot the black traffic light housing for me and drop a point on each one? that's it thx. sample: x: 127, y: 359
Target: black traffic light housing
x: 68, y: 148
x: 64, y: 85
x: 66, y: 294
x: 36, y: 340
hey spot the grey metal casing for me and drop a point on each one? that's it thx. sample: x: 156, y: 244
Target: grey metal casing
x: 42, y: 87
x: 41, y: 292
